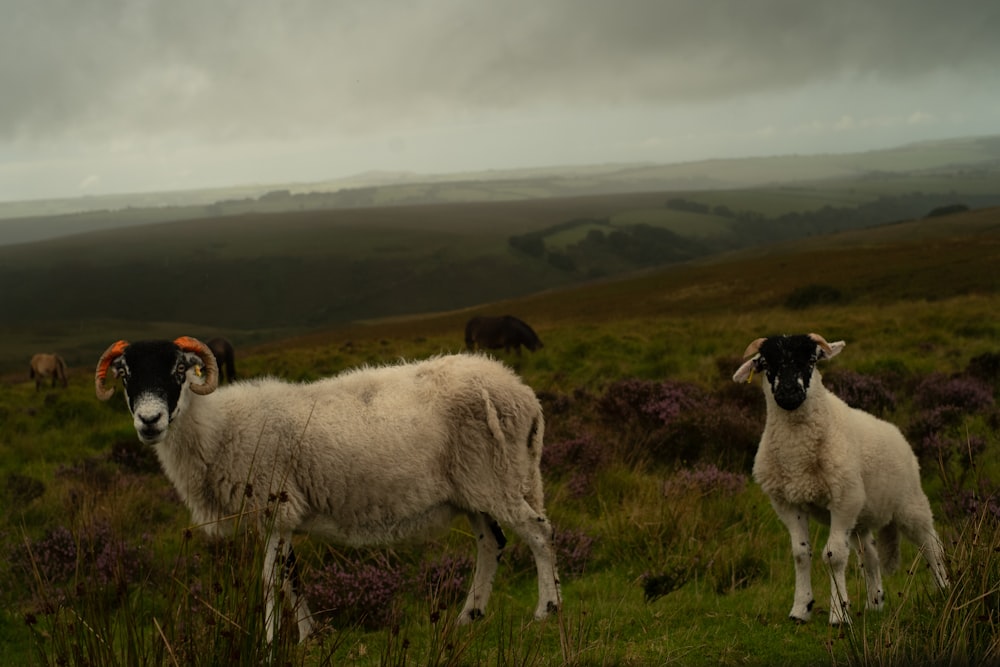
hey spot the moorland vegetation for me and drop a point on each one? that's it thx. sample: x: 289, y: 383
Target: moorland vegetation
x: 669, y: 553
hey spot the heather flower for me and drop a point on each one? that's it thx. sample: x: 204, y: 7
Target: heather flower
x: 444, y: 579
x: 661, y: 401
x: 574, y: 549
x: 864, y: 392
x: 55, y: 555
x: 356, y: 592
x: 986, y: 367
x: 962, y: 391
x: 963, y: 502
x: 96, y: 556
x: 579, y: 458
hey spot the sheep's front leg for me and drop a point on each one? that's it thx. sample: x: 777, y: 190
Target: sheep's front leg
x: 835, y: 554
x: 868, y: 555
x: 274, y: 547
x: 281, y: 571
x: 797, y: 522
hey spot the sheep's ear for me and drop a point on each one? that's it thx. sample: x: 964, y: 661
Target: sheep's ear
x: 826, y: 350
x: 745, y: 372
x: 829, y: 350
x: 835, y: 349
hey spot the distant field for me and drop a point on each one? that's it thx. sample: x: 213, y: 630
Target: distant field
x: 284, y: 271
x: 920, y: 260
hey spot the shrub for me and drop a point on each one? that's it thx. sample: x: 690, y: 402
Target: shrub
x: 967, y: 393
x: 984, y: 500
x: 354, y: 592
x: 681, y: 423
x: 864, y: 392
x: 716, y: 431
x: 578, y: 458
x: 444, y: 579
x: 20, y: 490
x: 134, y: 456
x: 985, y: 367
x: 573, y: 549
x: 812, y: 295
x: 95, y: 556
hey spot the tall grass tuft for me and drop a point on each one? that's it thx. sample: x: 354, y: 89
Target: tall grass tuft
x: 959, y: 627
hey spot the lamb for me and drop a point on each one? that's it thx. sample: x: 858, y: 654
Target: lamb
x: 843, y: 466
x: 370, y: 457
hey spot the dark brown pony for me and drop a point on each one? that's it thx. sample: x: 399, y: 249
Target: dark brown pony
x: 506, y: 331
x: 225, y: 357
x: 44, y: 365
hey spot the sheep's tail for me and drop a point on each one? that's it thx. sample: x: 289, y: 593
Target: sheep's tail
x: 528, y: 465
x: 888, y: 547
x: 534, y: 493
x: 501, y: 458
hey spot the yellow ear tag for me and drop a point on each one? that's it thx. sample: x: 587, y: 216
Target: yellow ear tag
x: 750, y: 377
x: 197, y: 371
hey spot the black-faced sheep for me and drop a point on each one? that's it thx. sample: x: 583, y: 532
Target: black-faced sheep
x: 841, y: 465
x: 370, y: 457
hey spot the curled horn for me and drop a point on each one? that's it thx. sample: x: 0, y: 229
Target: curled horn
x: 753, y: 348
x: 819, y: 340
x: 113, y: 352
x: 188, y: 344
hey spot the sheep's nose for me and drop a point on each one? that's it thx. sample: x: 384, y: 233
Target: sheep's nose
x: 790, y: 402
x: 150, y: 420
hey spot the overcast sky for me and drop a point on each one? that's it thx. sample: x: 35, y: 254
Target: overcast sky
x: 111, y: 96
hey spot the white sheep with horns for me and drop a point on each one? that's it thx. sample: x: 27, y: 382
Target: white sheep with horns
x: 818, y: 457
x: 372, y: 456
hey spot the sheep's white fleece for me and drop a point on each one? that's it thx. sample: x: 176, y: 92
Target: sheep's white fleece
x: 851, y: 470
x: 373, y: 456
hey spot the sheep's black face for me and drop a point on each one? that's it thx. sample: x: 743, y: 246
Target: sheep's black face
x: 788, y: 363
x: 153, y: 374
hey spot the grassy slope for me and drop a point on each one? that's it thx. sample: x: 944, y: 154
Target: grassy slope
x: 922, y: 295
x: 266, y: 275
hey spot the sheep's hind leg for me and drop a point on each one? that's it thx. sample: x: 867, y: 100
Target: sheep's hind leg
x: 920, y: 531
x: 534, y: 528
x: 868, y: 556
x: 797, y: 522
x: 490, y: 542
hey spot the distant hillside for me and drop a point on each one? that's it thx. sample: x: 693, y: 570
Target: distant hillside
x: 894, y: 170
x: 924, y: 259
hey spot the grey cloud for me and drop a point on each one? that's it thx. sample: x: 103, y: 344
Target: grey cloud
x: 259, y: 68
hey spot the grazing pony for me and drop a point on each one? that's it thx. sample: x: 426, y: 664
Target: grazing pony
x: 44, y: 366
x: 225, y: 357
x: 506, y: 331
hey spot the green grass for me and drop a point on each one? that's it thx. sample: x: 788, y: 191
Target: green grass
x: 914, y: 308
x: 717, y: 616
